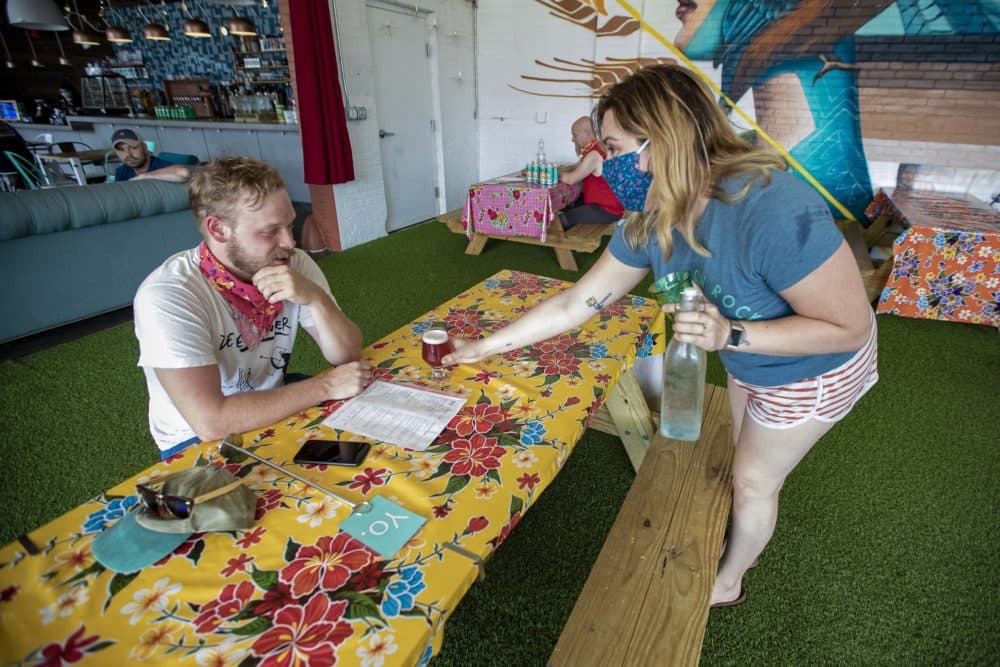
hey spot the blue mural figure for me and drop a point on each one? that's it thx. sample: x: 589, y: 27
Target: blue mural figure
x: 801, y: 53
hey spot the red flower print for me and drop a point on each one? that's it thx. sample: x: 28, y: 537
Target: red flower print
x: 268, y: 433
x: 572, y: 400
x: 516, y: 193
x: 462, y: 316
x: 368, y: 479
x: 277, y: 598
x: 559, y: 343
x: 382, y: 374
x: 230, y: 602
x: 71, y: 651
x: 368, y: 577
x: 547, y: 393
x: 378, y: 346
x: 476, y: 524
x: 328, y: 564
x: 615, y: 310
x: 7, y: 594
x: 528, y: 480
x: 493, y: 214
x: 441, y: 511
x: 558, y: 363
x: 485, y: 376
x: 505, y: 531
x: 228, y: 467
x: 512, y: 355
x: 267, y: 501
x: 304, y: 635
x: 481, y: 418
x: 250, y: 537
x: 603, y: 378
x: 474, y: 456
x: 238, y: 564
x: 469, y: 331
x: 174, y: 457
x: 538, y: 216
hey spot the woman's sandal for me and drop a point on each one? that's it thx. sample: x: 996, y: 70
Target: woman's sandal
x: 740, y: 599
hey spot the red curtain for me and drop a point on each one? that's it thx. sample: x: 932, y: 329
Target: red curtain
x: 326, y: 146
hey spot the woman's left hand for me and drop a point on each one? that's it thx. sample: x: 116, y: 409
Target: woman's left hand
x: 705, y: 327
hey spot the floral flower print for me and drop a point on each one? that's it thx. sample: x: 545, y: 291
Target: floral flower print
x: 374, y: 653
x: 327, y: 565
x: 304, y: 635
x: 153, y: 599
x: 401, y: 593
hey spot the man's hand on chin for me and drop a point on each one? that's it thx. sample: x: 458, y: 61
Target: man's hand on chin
x: 279, y: 282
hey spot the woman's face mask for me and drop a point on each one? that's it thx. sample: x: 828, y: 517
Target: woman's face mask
x: 624, y: 178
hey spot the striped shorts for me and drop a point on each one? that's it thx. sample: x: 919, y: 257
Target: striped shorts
x: 828, y: 397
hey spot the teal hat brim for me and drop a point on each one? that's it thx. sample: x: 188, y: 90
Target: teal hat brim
x: 128, y: 547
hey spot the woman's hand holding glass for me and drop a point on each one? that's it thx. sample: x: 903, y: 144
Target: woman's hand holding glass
x: 465, y: 352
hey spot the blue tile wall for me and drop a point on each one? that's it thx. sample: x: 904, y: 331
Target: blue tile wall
x: 186, y: 57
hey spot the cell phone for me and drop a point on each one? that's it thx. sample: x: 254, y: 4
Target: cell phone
x: 332, y: 452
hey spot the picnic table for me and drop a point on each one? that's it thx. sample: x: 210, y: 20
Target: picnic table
x: 946, y: 263
x: 295, y: 584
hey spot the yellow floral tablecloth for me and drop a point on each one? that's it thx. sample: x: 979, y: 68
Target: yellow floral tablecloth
x: 293, y: 590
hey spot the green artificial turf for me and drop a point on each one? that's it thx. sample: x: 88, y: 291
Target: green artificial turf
x: 885, y: 548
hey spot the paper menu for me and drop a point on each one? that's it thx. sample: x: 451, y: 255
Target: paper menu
x: 398, y: 414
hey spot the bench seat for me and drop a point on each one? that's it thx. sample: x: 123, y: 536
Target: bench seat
x: 581, y: 238
x: 646, y: 599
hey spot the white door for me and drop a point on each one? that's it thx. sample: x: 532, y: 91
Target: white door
x: 402, y: 69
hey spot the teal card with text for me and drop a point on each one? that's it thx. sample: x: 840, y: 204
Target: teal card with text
x: 384, y: 527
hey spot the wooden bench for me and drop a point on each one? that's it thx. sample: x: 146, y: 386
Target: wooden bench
x: 646, y: 599
x: 581, y: 238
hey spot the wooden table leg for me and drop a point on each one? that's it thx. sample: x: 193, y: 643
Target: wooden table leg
x: 476, y: 245
x: 566, y: 260
x: 631, y: 417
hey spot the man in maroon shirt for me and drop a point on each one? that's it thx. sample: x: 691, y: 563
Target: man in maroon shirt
x: 598, y: 204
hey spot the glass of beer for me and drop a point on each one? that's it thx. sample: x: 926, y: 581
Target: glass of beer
x: 436, y: 345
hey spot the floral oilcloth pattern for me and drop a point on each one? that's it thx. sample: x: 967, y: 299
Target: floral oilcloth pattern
x: 515, y: 209
x: 293, y: 590
x: 946, y: 265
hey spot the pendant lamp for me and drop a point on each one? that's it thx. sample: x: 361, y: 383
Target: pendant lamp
x: 35, y: 15
x: 84, y: 38
x: 35, y: 62
x: 6, y: 52
x: 118, y: 34
x: 156, y: 32
x: 63, y: 60
x: 197, y: 28
x: 241, y: 27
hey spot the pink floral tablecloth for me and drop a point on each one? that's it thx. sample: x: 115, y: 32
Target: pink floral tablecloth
x: 946, y: 264
x: 294, y: 590
x: 509, y: 206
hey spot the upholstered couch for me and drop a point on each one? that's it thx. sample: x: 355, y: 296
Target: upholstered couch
x: 74, y: 252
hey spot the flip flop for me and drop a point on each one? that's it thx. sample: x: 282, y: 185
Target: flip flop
x: 740, y: 599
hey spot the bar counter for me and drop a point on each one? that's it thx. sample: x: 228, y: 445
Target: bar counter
x: 276, y: 143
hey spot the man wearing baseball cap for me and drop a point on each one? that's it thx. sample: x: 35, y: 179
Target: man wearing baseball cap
x: 138, y: 162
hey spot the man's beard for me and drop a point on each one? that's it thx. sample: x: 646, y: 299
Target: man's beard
x: 247, y: 264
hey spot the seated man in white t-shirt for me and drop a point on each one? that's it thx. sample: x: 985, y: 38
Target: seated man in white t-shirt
x: 216, y: 324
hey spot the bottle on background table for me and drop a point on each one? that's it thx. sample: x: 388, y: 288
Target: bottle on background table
x: 683, y: 383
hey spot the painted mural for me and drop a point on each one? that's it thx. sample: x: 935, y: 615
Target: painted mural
x: 798, y: 58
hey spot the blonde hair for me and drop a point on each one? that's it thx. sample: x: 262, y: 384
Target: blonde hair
x: 222, y: 185
x: 692, y: 148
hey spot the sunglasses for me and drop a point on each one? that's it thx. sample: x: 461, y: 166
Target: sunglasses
x: 169, y: 506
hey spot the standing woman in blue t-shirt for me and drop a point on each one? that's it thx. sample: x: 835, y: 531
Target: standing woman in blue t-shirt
x: 783, y: 299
